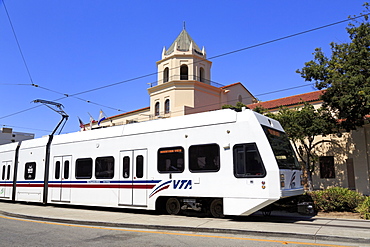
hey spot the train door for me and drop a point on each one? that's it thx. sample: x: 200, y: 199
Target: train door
x: 5, y: 179
x: 61, y: 179
x: 133, y: 173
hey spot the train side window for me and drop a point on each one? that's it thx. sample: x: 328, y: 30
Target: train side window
x: 66, y: 169
x: 126, y: 167
x: 84, y: 168
x: 30, y: 171
x: 8, y: 175
x: 247, y: 161
x: 170, y: 160
x: 3, y: 176
x: 139, y: 166
x: 57, y: 170
x: 104, y: 167
x: 204, y: 158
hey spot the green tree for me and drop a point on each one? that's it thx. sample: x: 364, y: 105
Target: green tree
x: 237, y: 107
x: 345, y: 75
x: 302, y: 126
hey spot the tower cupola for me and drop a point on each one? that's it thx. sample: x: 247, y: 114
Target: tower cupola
x: 184, y: 44
x: 184, y: 60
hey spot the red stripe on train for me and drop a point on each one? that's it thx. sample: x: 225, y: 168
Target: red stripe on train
x: 104, y: 186
x: 95, y: 186
x: 6, y: 185
x: 30, y: 185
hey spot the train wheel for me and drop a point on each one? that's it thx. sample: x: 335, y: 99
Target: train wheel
x: 217, y: 208
x: 172, y: 206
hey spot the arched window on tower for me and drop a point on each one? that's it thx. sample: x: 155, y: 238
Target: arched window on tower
x: 156, y: 109
x: 201, y: 75
x: 165, y: 75
x: 167, y: 106
x: 184, y: 72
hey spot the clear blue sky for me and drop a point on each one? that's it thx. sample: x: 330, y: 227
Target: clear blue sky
x: 73, y: 46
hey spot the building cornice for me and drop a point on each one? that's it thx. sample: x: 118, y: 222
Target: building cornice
x: 182, y: 85
x: 192, y: 56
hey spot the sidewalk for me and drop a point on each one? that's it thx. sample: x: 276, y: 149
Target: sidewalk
x: 279, y: 224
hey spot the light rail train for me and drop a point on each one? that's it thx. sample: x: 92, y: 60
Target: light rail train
x: 222, y: 162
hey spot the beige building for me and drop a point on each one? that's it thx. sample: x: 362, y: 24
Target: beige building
x: 344, y: 162
x: 183, y: 87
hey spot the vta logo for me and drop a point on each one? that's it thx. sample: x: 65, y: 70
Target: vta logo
x: 182, y: 184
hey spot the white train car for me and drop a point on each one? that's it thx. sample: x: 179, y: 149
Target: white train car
x: 224, y: 162
x: 30, y: 176
x: 7, y: 161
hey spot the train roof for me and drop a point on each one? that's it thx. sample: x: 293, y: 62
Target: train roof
x: 8, y: 146
x: 174, y: 123
x: 193, y: 120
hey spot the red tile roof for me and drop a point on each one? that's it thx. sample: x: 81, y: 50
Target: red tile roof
x: 231, y: 85
x: 130, y: 112
x: 289, y: 101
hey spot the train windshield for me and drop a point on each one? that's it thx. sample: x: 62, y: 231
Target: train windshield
x: 282, y: 149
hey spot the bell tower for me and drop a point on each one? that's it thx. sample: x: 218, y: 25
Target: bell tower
x: 184, y: 78
x: 184, y: 60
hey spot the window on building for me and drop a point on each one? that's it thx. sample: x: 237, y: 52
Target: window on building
x: 327, y: 169
x: 204, y: 158
x: 247, y: 161
x: 126, y: 167
x: 165, y: 75
x: 84, y: 168
x: 167, y: 106
x: 156, y: 109
x: 201, y: 75
x: 170, y: 160
x: 30, y: 171
x: 104, y: 167
x: 139, y: 166
x: 184, y: 72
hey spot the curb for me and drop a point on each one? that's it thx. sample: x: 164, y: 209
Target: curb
x: 192, y: 229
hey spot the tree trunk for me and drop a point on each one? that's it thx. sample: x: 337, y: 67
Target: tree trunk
x: 308, y: 173
x: 309, y: 180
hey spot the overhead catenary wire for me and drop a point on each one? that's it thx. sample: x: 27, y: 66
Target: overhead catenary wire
x: 214, y: 57
x: 227, y: 53
x: 16, y: 39
x: 141, y: 118
x: 203, y: 106
x: 87, y: 101
x: 155, y: 73
x: 14, y: 126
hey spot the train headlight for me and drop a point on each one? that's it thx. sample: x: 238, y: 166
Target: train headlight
x: 282, y: 180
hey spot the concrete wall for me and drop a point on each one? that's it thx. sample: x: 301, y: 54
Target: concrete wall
x: 351, y: 159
